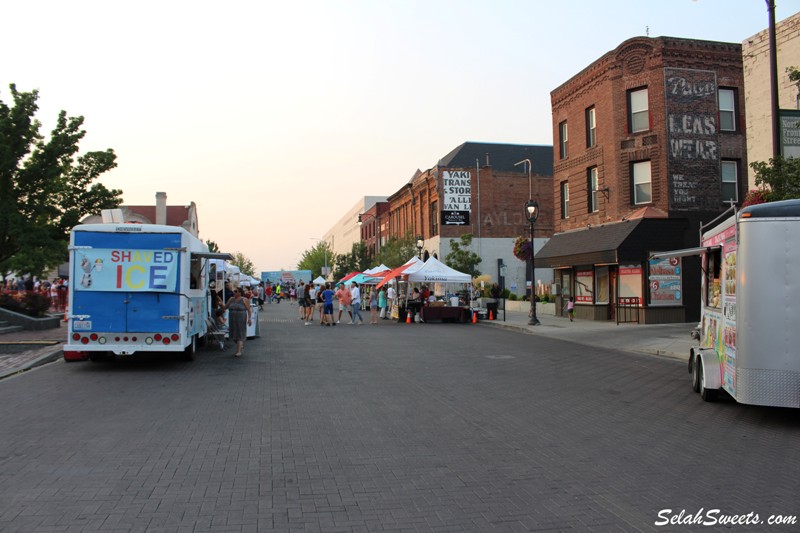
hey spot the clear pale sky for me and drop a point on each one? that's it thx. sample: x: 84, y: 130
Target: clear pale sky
x: 275, y: 117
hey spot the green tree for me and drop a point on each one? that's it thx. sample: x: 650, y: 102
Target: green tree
x: 397, y: 251
x: 777, y: 180
x: 212, y: 247
x: 358, y: 260
x: 244, y: 263
x: 315, y: 258
x: 461, y: 258
x: 45, y: 186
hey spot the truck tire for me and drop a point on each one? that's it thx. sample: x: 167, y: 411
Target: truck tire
x: 696, y: 373
x: 708, y: 395
x: 188, y: 353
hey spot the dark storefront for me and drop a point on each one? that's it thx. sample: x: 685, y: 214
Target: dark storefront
x: 607, y: 270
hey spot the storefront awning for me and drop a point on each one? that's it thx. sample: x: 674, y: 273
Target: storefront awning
x: 685, y: 252
x: 628, y: 240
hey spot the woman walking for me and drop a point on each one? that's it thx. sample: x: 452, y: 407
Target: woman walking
x: 239, y: 317
x: 373, y: 305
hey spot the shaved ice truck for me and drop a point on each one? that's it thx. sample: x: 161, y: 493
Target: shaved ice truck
x: 136, y: 288
x: 749, y: 339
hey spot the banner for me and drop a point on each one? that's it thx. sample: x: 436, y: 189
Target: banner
x: 126, y: 270
x: 665, y: 282
x: 457, y: 196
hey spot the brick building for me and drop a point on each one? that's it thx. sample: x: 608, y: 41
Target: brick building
x: 374, y: 224
x: 649, y: 142
x: 479, y: 188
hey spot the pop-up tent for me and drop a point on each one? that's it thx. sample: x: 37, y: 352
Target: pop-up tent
x: 434, y: 271
x: 410, y: 266
x: 319, y: 281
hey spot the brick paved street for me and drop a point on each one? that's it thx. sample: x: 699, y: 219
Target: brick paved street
x: 394, y: 427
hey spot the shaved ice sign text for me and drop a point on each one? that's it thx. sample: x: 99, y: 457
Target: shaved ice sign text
x: 127, y: 270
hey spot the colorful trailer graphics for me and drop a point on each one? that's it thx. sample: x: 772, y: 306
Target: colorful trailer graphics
x: 749, y: 339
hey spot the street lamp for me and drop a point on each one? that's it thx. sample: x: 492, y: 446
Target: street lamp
x: 420, y: 245
x: 362, y: 218
x: 532, y: 213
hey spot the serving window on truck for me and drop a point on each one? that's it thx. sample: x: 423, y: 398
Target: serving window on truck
x: 712, y: 263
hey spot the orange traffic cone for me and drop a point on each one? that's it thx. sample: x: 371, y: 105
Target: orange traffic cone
x: 408, y: 318
x: 66, y: 312
x: 474, y: 317
x: 491, y: 315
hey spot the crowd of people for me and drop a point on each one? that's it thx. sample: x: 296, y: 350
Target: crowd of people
x: 55, y: 290
x: 350, y: 300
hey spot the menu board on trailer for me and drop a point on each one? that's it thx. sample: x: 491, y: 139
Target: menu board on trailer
x: 664, y: 281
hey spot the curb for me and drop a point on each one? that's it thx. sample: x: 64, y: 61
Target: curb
x: 48, y: 357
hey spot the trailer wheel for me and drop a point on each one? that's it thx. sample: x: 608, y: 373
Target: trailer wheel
x: 708, y: 395
x: 696, y: 370
x: 188, y: 353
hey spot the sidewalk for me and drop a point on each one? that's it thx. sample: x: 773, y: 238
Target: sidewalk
x: 23, y: 350
x: 666, y: 340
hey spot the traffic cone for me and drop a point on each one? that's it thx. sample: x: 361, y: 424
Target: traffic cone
x: 66, y: 312
x: 408, y: 318
x: 474, y: 317
x: 491, y: 315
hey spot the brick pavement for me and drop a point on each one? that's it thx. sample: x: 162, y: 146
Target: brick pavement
x: 383, y: 428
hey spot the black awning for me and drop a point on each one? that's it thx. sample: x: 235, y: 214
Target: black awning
x: 628, y: 240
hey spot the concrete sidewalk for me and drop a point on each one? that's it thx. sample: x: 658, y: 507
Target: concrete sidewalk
x: 667, y: 340
x: 23, y: 350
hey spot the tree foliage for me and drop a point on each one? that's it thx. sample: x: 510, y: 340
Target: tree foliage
x: 462, y: 258
x: 244, y: 263
x: 315, y: 258
x: 45, y: 186
x: 213, y: 247
x: 358, y: 260
x: 397, y: 250
x: 777, y: 180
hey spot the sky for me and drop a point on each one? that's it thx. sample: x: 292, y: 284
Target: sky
x: 276, y: 117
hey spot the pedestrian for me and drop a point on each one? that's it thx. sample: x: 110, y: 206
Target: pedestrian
x: 373, y: 306
x: 300, y: 292
x: 344, y: 297
x: 355, y: 292
x: 278, y: 293
x: 292, y: 295
x: 570, y: 306
x: 391, y: 297
x: 382, y: 303
x: 268, y: 293
x: 308, y: 296
x: 320, y: 301
x: 327, y: 306
x: 239, y: 317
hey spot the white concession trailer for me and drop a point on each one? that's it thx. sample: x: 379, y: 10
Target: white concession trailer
x: 749, y: 333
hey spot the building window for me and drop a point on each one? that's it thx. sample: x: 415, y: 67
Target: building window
x: 562, y: 139
x: 592, y: 186
x: 434, y: 218
x: 727, y: 110
x: 638, y: 114
x: 642, y: 182
x: 591, y: 128
x: 730, y: 181
x: 564, y: 199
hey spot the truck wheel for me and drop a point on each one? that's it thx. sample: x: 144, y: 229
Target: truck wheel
x: 696, y: 370
x: 188, y: 353
x: 708, y: 395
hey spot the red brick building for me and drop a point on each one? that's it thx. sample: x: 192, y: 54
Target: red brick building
x: 481, y: 189
x: 649, y: 142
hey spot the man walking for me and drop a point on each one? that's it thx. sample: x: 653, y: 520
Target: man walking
x: 343, y: 295
x: 355, y: 292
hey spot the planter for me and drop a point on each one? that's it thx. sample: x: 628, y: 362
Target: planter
x: 28, y: 322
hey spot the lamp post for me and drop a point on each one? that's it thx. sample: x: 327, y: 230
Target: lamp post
x: 420, y: 245
x: 377, y: 219
x: 532, y: 213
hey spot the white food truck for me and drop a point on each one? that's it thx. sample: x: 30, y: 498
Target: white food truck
x: 749, y: 332
x: 136, y: 288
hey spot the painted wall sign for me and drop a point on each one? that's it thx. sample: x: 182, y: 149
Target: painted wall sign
x: 457, y: 196
x: 692, y: 139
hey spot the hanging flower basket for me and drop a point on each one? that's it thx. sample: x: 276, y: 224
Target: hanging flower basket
x: 522, y: 249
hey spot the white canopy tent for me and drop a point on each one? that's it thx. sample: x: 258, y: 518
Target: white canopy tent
x: 319, y: 281
x: 434, y: 271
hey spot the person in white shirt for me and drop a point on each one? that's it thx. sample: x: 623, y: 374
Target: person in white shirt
x: 391, y: 294
x: 355, y: 292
